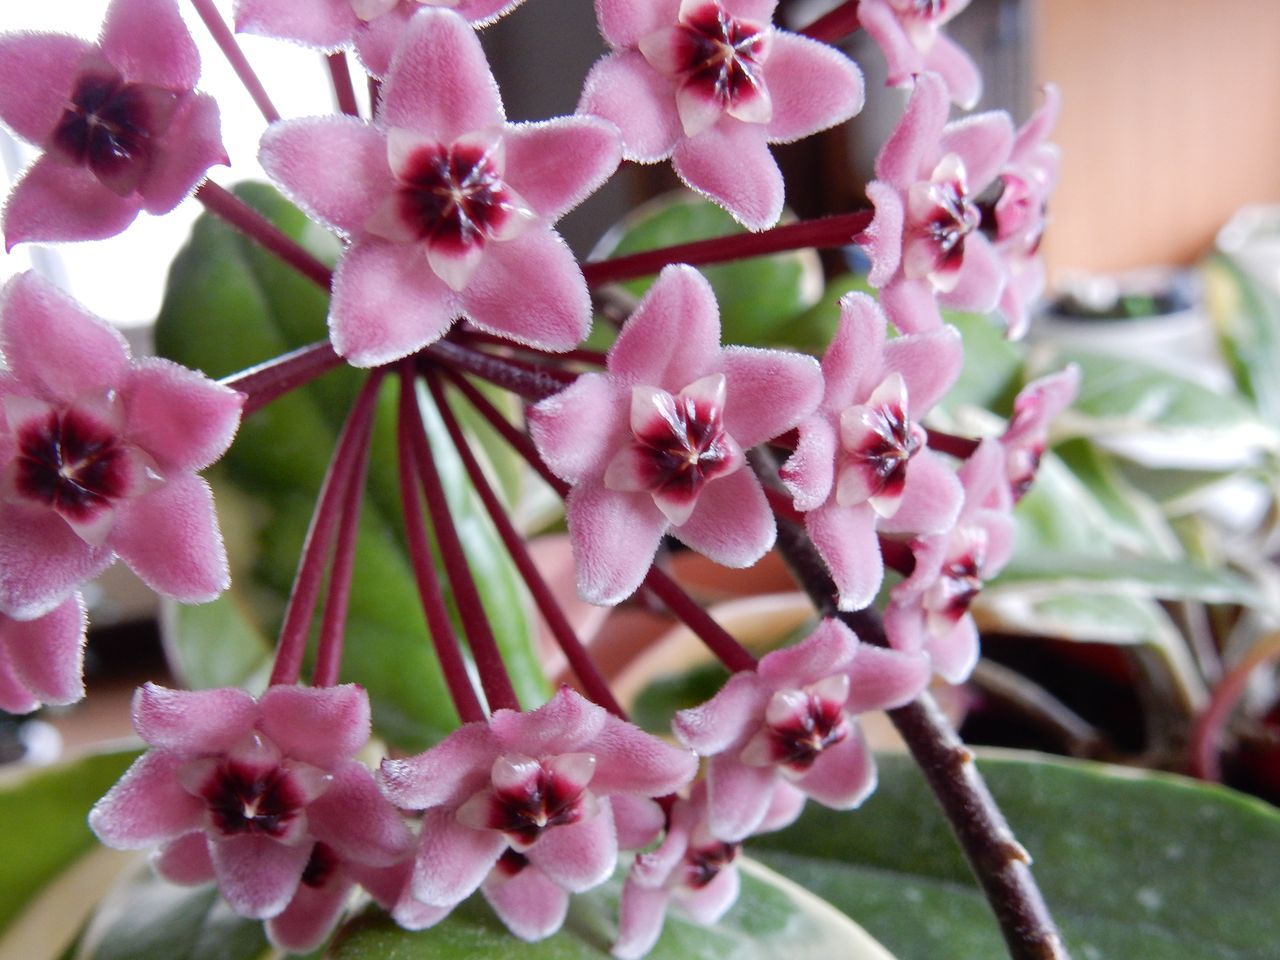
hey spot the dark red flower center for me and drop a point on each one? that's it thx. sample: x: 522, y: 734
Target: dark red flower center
x: 248, y: 798
x: 544, y: 800
x: 110, y: 126
x: 321, y: 866
x: 512, y: 862
x: 887, y: 448
x: 960, y: 582
x: 928, y: 10
x: 684, y: 446
x: 954, y: 217
x: 452, y: 196
x: 71, y: 462
x: 703, y: 864
x: 799, y: 741
x: 720, y: 54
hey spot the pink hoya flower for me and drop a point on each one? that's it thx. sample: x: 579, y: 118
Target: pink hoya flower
x: 448, y: 207
x: 929, y: 611
x: 1027, y: 433
x: 862, y: 464
x: 791, y: 725
x: 375, y: 26
x: 690, y: 867
x: 655, y: 444
x: 557, y: 789
x: 710, y: 84
x: 120, y: 125
x: 98, y: 457
x: 926, y: 242
x: 909, y: 33
x: 1026, y: 181
x: 264, y: 790
x: 42, y: 660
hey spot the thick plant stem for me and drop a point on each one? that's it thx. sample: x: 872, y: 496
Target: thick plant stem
x: 575, y: 653
x: 443, y: 639
x: 836, y: 24
x: 999, y: 862
x: 266, y: 381
x: 835, y: 231
x: 263, y: 232
x: 475, y: 622
x: 226, y: 42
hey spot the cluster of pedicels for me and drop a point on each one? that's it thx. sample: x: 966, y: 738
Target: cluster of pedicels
x: 447, y: 211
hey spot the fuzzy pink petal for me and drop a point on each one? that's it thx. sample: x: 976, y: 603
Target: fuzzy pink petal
x: 882, y: 679
x: 641, y: 912
x: 732, y: 166
x: 147, y: 805
x: 578, y: 430
x: 530, y: 903
x: 448, y: 773
x: 910, y: 305
x: 955, y: 654
x: 1000, y: 535
x: 185, y: 861
x: 827, y: 650
x: 629, y: 760
x: 90, y: 355
x: 180, y: 417
x: 950, y: 61
x: 842, y: 776
x: 846, y: 539
x: 193, y: 722
x: 914, y: 140
x: 785, y: 808
x: 732, y: 522
x: 904, y: 623
x: 479, y: 13
x: 625, y: 90
x: 929, y: 363
x: 624, y: 22
x: 726, y: 718
x: 15, y: 698
x: 556, y: 164
x: 931, y: 499
x: 738, y: 797
x: 321, y: 23
x: 638, y: 820
x: 853, y: 365
x: 983, y: 142
x: 439, y: 83
x: 711, y: 902
x: 147, y: 41
x: 768, y: 392
x: 567, y: 723
x: 191, y: 145
x: 982, y: 278
x: 673, y: 337
x: 881, y: 23
x: 47, y: 654
x: 257, y: 875
x: 301, y: 155
x: 810, y: 471
x: 580, y: 855
x: 169, y: 537
x: 321, y: 726
x: 531, y: 290
x: 387, y: 303
x: 354, y: 818
x: 56, y: 202
x: 882, y: 240
x: 812, y: 85
x: 615, y: 537
x: 42, y: 561
x: 453, y: 859
x: 310, y: 916
x: 37, y: 71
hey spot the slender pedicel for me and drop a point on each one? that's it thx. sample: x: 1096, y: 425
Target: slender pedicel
x: 262, y: 231
x: 276, y: 377
x: 340, y: 75
x: 836, y: 24
x: 226, y: 41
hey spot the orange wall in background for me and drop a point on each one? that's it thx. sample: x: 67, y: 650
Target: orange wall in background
x: 1171, y: 120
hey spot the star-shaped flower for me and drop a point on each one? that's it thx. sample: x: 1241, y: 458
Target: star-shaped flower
x: 909, y: 33
x: 710, y: 84
x: 42, y: 660
x: 98, y: 457
x: 655, y: 444
x: 448, y: 207
x: 119, y: 121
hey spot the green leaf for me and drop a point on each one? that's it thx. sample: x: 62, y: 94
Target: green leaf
x: 1131, y: 865
x: 772, y: 918
x: 1245, y: 311
x: 992, y: 368
x: 1127, y: 576
x: 760, y: 298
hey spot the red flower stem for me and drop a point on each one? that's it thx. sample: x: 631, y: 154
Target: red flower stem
x: 375, y: 96
x: 343, y: 92
x: 595, y: 357
x: 226, y: 41
x: 837, y: 231
x: 532, y: 385
x: 836, y: 24
x: 960, y: 447
x: 266, y: 381
x: 529, y: 366
x: 718, y: 640
x: 334, y: 620
x: 494, y: 679
x: 439, y: 626
x: 1206, y: 732
x: 319, y: 541
x: 999, y: 862
x: 262, y: 231
x: 782, y: 506
x: 583, y: 666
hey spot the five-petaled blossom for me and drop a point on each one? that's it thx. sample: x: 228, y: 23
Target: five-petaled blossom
x: 926, y: 242
x: 861, y: 465
x: 929, y: 611
x: 98, y: 457
x: 374, y: 26
x: 909, y: 33
x: 791, y: 725
x: 42, y: 660
x: 120, y: 124
x: 656, y: 443
x: 448, y: 207
x: 560, y: 788
x: 710, y: 84
x: 262, y: 795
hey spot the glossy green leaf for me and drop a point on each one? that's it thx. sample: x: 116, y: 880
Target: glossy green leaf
x: 1245, y: 311
x: 1132, y: 865
x: 773, y: 918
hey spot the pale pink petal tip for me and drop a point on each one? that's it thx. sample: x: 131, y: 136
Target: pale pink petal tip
x: 42, y: 660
